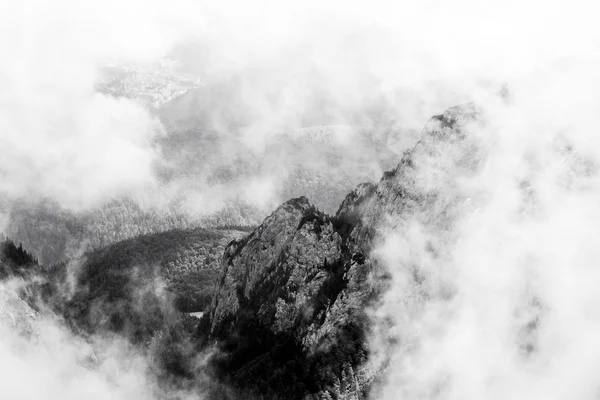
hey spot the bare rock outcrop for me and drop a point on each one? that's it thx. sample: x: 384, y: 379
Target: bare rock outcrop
x: 290, y: 305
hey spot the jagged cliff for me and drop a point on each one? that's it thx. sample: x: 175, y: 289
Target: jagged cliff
x: 290, y: 306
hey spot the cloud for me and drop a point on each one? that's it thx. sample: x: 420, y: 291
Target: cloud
x: 268, y: 67
x: 285, y: 65
x: 60, y: 138
x: 43, y: 359
x: 505, y: 307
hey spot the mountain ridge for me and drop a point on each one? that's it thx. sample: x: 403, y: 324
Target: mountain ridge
x: 290, y: 313
x: 299, y: 287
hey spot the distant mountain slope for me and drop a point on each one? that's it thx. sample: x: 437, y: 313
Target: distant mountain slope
x: 54, y: 234
x: 241, y: 185
x: 179, y: 266
x: 210, y: 174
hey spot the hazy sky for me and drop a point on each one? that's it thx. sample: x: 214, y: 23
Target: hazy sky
x: 65, y: 141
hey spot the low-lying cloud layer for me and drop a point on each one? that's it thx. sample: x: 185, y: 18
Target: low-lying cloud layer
x: 512, y: 311
x: 41, y: 358
x: 278, y: 65
x: 505, y: 305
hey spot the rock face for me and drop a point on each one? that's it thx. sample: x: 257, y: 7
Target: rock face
x: 294, y: 243
x: 290, y: 304
x: 282, y: 307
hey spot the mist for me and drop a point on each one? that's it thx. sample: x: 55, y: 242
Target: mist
x: 505, y: 305
x: 508, y: 307
x: 42, y: 358
x: 261, y: 69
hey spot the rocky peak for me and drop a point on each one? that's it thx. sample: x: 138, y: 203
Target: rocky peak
x: 291, y: 298
x: 414, y: 184
x: 283, y: 306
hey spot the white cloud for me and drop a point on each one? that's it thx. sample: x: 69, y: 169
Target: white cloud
x: 62, y: 140
x: 40, y: 358
x: 58, y: 138
x: 511, y: 305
